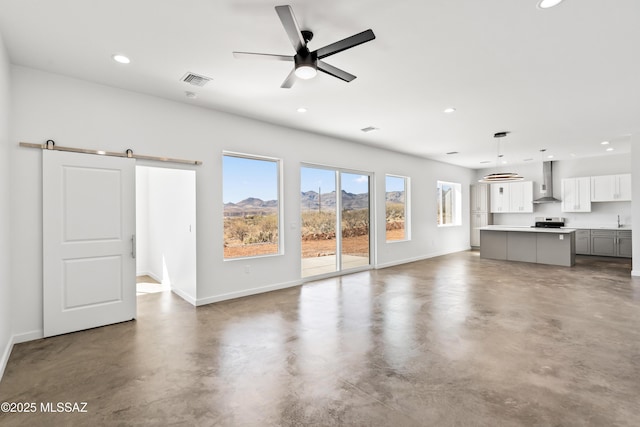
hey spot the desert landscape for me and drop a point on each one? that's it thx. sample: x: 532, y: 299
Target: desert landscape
x: 251, y: 226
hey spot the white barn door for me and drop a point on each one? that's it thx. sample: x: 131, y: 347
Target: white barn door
x: 88, y: 241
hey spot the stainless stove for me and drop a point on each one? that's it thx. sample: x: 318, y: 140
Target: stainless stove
x: 549, y: 222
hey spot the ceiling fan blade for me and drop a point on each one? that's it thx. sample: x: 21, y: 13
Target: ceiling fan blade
x: 290, y: 25
x: 335, y: 72
x: 267, y: 56
x: 290, y: 80
x: 344, y: 44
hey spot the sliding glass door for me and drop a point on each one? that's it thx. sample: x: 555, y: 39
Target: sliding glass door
x: 335, y: 224
x: 354, y: 221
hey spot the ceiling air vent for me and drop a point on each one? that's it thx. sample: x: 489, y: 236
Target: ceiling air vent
x: 369, y: 129
x: 196, y: 79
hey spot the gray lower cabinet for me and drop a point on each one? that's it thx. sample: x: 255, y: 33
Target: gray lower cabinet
x: 556, y: 249
x: 521, y: 247
x: 615, y: 243
x: 583, y: 242
x: 493, y: 244
x: 603, y: 242
x: 624, y: 243
x: 539, y: 247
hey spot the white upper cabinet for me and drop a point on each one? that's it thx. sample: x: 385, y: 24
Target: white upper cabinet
x: 611, y: 188
x: 480, y: 198
x: 576, y: 194
x: 624, y: 187
x: 512, y: 197
x: 500, y: 197
x: 521, y: 196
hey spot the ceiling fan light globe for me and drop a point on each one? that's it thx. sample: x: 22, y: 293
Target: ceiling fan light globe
x: 306, y: 72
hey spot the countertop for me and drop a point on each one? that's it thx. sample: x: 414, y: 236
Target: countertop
x: 527, y: 229
x: 601, y: 227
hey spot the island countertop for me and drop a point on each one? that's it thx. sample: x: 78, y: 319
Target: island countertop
x: 527, y: 229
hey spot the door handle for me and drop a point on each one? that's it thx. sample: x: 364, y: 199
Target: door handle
x: 133, y: 246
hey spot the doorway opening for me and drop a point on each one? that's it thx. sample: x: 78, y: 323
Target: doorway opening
x: 166, y: 231
x: 335, y: 224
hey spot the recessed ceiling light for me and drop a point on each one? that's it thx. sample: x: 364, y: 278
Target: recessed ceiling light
x: 485, y: 161
x: 452, y: 152
x: 504, y: 162
x: 604, y: 143
x: 121, y: 59
x: 527, y: 160
x: 550, y: 156
x: 191, y: 95
x: 449, y: 110
x: 547, y: 4
x: 302, y: 110
x: 610, y: 149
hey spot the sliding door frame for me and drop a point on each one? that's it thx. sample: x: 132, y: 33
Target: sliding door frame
x: 372, y: 229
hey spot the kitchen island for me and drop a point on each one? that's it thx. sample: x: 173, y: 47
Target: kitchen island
x: 555, y: 246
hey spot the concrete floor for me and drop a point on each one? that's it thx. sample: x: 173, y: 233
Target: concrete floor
x: 453, y: 340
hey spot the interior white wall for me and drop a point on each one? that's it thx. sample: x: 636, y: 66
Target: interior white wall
x: 602, y: 214
x: 78, y: 113
x: 635, y: 188
x: 166, y: 227
x: 142, y: 222
x: 6, y: 334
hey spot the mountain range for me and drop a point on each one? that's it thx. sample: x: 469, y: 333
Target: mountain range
x: 309, y: 201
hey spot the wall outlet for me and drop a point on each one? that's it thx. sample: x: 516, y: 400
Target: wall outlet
x: 561, y: 237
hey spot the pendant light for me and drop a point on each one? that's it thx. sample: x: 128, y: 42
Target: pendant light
x: 500, y: 176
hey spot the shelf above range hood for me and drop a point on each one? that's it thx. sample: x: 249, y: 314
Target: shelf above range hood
x: 547, y: 185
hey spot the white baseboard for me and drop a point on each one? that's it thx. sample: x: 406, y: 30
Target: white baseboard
x: 420, y: 258
x: 16, y: 339
x: 28, y: 336
x: 247, y: 292
x: 148, y: 273
x: 185, y: 296
x: 269, y: 288
x: 635, y: 273
x: 5, y: 356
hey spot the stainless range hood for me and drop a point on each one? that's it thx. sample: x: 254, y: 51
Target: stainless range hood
x: 547, y: 185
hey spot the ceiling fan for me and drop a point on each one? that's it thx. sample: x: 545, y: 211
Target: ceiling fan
x: 307, y: 63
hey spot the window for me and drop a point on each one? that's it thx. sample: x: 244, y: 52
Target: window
x: 250, y: 192
x: 449, y: 203
x: 396, y: 208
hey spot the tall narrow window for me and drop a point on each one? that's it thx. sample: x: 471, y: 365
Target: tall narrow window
x: 396, y: 208
x: 449, y: 203
x: 251, y: 206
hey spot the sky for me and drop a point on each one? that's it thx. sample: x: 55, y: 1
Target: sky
x: 243, y: 178
x: 394, y: 183
x: 312, y: 178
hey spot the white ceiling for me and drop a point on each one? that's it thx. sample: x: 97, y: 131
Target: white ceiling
x: 563, y: 79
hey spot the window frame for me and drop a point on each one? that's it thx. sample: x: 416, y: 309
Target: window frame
x: 407, y: 211
x: 280, y: 209
x: 456, y: 204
